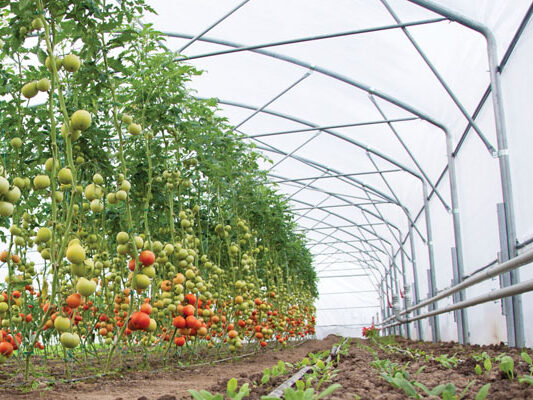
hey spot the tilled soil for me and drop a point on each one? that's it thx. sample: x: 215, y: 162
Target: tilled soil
x: 171, y: 385
x: 358, y: 377
x: 355, y: 374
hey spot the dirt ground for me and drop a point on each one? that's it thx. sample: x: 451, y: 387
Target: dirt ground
x: 170, y: 385
x: 358, y: 378
x: 355, y: 374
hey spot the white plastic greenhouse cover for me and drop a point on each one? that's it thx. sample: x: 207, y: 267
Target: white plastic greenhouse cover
x: 353, y: 217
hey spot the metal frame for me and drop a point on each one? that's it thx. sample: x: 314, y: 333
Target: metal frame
x: 516, y: 334
x: 372, y: 194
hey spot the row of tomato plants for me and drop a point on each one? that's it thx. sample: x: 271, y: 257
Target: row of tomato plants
x: 136, y: 217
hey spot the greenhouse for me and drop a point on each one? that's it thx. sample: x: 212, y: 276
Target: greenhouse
x: 250, y: 199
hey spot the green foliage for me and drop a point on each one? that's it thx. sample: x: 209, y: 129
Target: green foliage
x: 483, y: 392
x: 507, y: 366
x: 527, y: 359
x: 485, y: 359
x: 205, y: 395
x: 526, y: 379
x: 277, y: 370
x: 446, y: 391
x: 301, y: 393
x: 231, y: 392
x: 447, y: 362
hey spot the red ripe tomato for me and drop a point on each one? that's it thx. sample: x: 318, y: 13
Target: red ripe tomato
x: 192, y: 322
x: 263, y: 343
x: 16, y: 294
x: 74, y: 300
x: 131, y: 264
x: 6, y: 349
x: 146, y: 308
x: 188, y: 310
x: 139, y: 320
x: 147, y: 257
x: 179, y: 341
x: 191, y: 298
x: 241, y: 323
x: 29, y: 318
x: 179, y: 322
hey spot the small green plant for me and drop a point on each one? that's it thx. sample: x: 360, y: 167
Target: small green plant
x: 205, y: 395
x: 447, y: 362
x: 478, y: 370
x: 277, y: 370
x: 231, y: 392
x: 483, y: 392
x: 484, y: 359
x: 397, y: 376
x: 301, y: 393
x: 322, y: 371
x: 446, y: 391
x: 527, y: 359
x: 507, y: 366
x: 526, y: 379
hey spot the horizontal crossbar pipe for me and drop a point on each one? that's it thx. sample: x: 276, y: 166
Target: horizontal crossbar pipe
x: 508, y: 291
x: 518, y: 261
x: 491, y: 272
x: 340, y: 226
x: 307, y: 39
x: 346, y: 308
x: 341, y: 261
x: 339, y: 206
x: 318, y: 128
x: 337, y: 175
x: 345, y: 269
x: 349, y: 292
x: 316, y: 189
x: 341, y: 276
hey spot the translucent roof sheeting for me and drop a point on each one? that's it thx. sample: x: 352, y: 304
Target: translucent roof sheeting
x: 350, y: 112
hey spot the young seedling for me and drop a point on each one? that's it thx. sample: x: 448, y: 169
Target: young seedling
x: 527, y: 359
x: 507, y: 366
x: 483, y: 392
x: 447, y: 362
x: 446, y: 391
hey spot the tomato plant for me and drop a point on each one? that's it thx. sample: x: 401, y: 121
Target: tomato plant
x: 132, y: 214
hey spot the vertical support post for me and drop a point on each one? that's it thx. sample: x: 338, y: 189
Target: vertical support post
x: 457, y: 255
x: 506, y: 280
x: 415, y: 281
x: 434, y: 321
x: 462, y: 327
x: 507, y: 191
x: 404, y: 284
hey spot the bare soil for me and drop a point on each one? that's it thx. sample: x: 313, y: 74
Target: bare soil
x: 355, y: 374
x: 169, y: 385
x: 358, y: 378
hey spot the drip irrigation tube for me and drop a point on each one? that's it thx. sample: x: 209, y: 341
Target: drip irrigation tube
x: 278, y: 392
